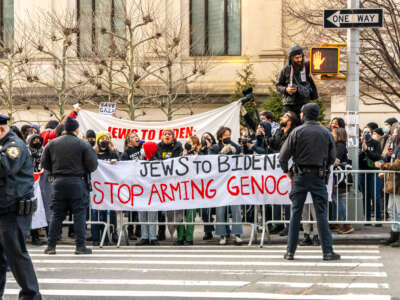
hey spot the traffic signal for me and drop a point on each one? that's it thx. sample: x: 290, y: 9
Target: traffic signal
x: 324, y: 60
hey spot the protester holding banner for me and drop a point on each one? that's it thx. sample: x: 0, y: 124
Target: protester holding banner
x: 132, y: 147
x: 148, y: 231
x: 185, y: 232
x: 105, y: 151
x: 207, y: 140
x: 227, y: 147
x: 169, y: 147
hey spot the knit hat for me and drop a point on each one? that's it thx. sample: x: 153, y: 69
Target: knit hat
x: 150, y: 149
x: 391, y: 121
x: 100, y: 135
x: 90, y: 134
x: 310, y: 111
x: 71, y: 125
x: 169, y: 130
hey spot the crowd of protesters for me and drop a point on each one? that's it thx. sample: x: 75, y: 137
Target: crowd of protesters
x: 379, y: 148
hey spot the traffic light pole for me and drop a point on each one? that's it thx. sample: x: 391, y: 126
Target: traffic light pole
x: 354, y: 206
x: 353, y: 88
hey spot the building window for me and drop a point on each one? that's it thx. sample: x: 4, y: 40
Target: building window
x: 94, y: 17
x: 215, y: 27
x: 7, y: 23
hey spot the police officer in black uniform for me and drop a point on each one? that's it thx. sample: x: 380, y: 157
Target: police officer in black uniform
x: 313, y: 151
x: 16, y: 190
x: 69, y: 160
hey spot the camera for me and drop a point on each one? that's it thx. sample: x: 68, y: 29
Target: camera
x: 248, y: 96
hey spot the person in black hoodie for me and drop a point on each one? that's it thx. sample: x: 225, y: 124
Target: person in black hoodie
x: 227, y: 147
x: 132, y: 148
x: 105, y: 151
x: 370, y: 152
x: 35, y: 146
x: 169, y: 147
x: 295, y: 83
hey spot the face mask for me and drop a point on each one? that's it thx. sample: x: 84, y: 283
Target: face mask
x: 367, y: 136
x: 284, y: 124
x: 226, y: 141
x: 36, y: 145
x: 104, y: 144
x: 385, y: 129
x: 188, y: 147
x: 92, y: 143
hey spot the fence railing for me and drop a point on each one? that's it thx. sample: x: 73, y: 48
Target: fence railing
x: 358, y: 197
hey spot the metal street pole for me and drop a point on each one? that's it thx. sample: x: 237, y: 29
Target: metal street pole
x: 353, y: 86
x: 352, y: 108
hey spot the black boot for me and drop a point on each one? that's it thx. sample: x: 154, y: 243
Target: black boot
x: 394, y: 237
x: 306, y: 241
x: 82, y: 250
x: 315, y: 240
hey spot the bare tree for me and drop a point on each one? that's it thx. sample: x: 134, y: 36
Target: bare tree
x: 14, y: 54
x: 178, y: 72
x: 380, y: 48
x: 54, y: 41
x: 120, y: 65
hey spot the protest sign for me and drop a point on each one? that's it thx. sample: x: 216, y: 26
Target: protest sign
x: 107, y: 108
x: 190, y: 182
x: 39, y: 217
x: 152, y: 131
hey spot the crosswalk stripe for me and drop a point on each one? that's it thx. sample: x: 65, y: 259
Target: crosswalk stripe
x: 217, y: 247
x: 135, y: 250
x: 268, y: 272
x: 85, y: 281
x: 191, y: 295
x: 206, y: 256
x: 220, y: 263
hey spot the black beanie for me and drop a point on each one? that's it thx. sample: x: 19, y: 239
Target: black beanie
x: 90, y: 134
x: 52, y: 124
x: 71, y: 125
x: 391, y: 121
x: 310, y: 111
x: 379, y: 131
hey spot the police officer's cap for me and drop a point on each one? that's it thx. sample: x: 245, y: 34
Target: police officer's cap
x: 4, y: 119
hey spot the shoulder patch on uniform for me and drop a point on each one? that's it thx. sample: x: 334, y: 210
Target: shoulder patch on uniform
x: 13, y: 152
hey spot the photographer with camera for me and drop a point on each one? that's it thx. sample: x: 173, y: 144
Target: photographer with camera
x: 16, y: 190
x: 295, y: 82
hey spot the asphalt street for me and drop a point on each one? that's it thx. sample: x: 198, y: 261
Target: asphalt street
x: 366, y: 272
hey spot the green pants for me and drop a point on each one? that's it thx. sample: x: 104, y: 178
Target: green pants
x: 185, y: 232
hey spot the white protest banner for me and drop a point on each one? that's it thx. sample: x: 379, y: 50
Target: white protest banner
x: 198, y: 124
x: 39, y: 217
x: 107, y: 108
x: 190, y: 182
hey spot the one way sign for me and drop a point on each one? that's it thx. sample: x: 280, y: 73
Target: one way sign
x: 353, y: 18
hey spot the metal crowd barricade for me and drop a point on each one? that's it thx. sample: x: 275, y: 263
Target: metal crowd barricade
x: 241, y: 215
x: 358, y: 198
x: 95, y: 221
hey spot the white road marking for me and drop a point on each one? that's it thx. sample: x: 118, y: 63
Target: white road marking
x: 333, y: 285
x: 191, y: 295
x: 215, y: 263
x: 207, y: 256
x: 135, y: 250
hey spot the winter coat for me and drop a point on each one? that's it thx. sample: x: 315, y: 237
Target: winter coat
x: 305, y: 89
x: 392, y: 180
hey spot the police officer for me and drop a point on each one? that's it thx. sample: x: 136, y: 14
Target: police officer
x: 16, y: 187
x: 313, y: 150
x: 69, y: 160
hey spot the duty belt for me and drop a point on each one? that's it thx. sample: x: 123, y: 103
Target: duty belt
x: 309, y: 169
